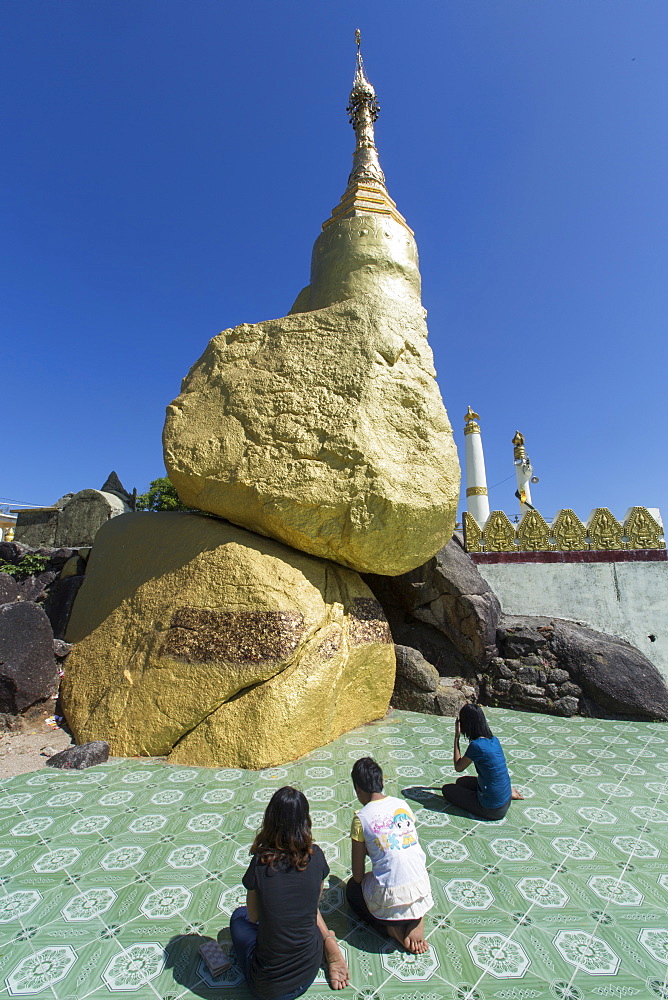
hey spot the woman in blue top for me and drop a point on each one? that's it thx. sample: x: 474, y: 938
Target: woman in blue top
x: 490, y: 794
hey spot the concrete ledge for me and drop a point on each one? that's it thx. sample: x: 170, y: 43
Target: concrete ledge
x: 577, y: 556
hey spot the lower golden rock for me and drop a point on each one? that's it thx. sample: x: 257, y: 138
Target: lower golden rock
x: 200, y: 641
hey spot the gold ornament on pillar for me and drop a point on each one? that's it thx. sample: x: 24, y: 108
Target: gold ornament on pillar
x: 471, y: 427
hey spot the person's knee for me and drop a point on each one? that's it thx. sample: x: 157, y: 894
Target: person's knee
x: 241, y: 913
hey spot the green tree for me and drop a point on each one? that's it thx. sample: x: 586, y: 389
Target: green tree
x: 161, y: 495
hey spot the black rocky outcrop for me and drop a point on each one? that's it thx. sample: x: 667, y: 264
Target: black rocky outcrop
x: 560, y: 667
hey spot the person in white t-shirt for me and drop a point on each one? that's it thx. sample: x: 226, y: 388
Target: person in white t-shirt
x: 395, y: 895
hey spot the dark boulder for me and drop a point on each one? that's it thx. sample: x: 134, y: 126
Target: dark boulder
x: 61, y: 649
x: 60, y: 601
x: 560, y: 667
x: 409, y: 698
x: 33, y: 588
x: 412, y: 667
x: 518, y: 639
x: 449, y: 594
x: 610, y: 671
x: 9, y: 589
x: 434, y: 646
x: 11, y: 552
x: 567, y: 706
x: 78, y: 758
x: 28, y: 671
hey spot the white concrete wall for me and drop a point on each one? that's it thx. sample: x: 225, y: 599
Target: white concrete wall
x: 626, y: 599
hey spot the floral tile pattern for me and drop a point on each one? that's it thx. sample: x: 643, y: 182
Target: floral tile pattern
x: 111, y: 877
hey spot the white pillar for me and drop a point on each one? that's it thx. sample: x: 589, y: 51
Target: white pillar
x: 523, y: 472
x: 477, y: 500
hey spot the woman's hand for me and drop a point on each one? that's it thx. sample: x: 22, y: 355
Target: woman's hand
x: 457, y: 729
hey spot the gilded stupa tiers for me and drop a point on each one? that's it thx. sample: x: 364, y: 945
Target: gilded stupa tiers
x: 366, y: 247
x: 366, y: 192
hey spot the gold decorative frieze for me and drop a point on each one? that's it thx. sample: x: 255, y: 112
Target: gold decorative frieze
x: 499, y: 533
x: 533, y: 533
x: 476, y: 491
x: 604, y: 530
x: 472, y: 533
x: 566, y: 533
x: 569, y: 532
x: 642, y: 530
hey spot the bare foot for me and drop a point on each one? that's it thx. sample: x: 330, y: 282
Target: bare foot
x: 339, y: 976
x: 412, y: 941
x: 516, y: 795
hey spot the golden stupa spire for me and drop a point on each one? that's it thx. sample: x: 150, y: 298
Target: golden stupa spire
x: 366, y: 193
x: 363, y: 109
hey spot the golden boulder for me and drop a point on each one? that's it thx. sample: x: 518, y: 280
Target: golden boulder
x: 325, y: 430
x: 201, y: 641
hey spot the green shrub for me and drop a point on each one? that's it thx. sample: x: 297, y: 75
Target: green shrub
x: 161, y: 495
x: 30, y: 565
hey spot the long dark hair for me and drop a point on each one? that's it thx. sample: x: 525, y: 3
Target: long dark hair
x: 285, y: 835
x: 473, y: 723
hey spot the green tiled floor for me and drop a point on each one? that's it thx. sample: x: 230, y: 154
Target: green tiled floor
x: 110, y: 876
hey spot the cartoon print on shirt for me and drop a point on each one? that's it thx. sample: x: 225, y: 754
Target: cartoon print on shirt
x: 401, y: 832
x: 381, y: 842
x: 404, y: 827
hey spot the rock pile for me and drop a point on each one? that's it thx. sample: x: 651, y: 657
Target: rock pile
x: 559, y: 667
x: 442, y: 614
x: 34, y: 610
x: 453, y: 645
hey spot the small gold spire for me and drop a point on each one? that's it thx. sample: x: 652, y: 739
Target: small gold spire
x: 358, y: 37
x: 519, y: 451
x: 471, y: 427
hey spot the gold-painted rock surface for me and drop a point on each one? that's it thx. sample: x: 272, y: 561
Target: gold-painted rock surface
x: 202, y: 641
x: 325, y: 430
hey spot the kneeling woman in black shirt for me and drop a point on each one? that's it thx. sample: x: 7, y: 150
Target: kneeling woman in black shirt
x: 279, y: 935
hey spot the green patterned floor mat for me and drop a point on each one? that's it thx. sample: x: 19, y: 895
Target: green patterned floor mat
x: 110, y: 876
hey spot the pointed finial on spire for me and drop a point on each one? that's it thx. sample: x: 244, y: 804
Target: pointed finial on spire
x: 366, y: 193
x: 363, y: 109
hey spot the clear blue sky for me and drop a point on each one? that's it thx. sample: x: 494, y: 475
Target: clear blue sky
x: 167, y: 165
